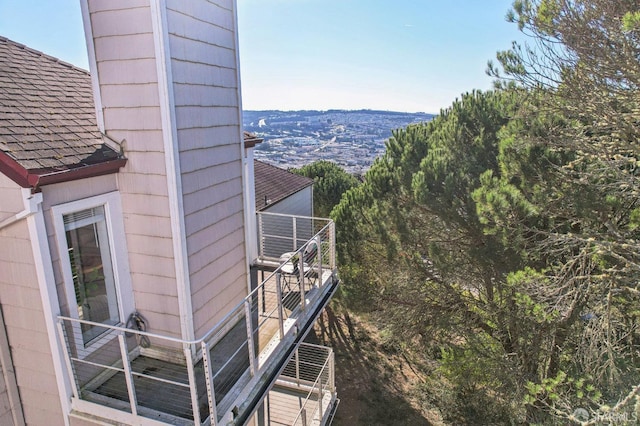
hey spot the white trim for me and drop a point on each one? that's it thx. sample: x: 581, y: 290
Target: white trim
x: 171, y: 155
x: 49, y: 298
x: 248, y: 217
x: 93, y: 65
x: 250, y: 202
x: 119, y: 257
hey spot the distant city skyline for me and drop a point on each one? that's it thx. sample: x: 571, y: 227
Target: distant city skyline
x: 403, y: 55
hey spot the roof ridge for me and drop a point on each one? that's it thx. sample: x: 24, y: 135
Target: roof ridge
x: 43, y: 55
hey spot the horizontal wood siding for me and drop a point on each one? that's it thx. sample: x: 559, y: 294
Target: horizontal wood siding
x: 11, y: 197
x: 6, y: 417
x: 26, y: 329
x: 10, y: 194
x: 202, y: 45
x: 127, y: 60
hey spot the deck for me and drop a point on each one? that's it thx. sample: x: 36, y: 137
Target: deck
x: 230, y: 371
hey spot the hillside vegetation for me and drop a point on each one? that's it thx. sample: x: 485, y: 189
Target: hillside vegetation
x: 500, y: 242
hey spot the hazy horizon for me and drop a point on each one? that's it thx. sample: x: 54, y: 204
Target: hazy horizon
x: 324, y: 54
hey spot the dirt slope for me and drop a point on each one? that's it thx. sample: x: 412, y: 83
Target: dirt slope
x: 376, y: 385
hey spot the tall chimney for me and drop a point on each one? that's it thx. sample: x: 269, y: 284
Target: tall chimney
x: 166, y: 86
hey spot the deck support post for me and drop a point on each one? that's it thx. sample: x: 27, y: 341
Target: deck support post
x: 301, y: 281
x: 195, y: 406
x: 208, y: 375
x: 126, y: 364
x: 250, y: 343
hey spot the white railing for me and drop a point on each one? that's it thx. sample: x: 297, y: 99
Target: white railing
x: 311, y: 369
x: 177, y: 381
x: 280, y: 233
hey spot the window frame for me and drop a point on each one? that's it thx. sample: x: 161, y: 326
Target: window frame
x: 119, y: 262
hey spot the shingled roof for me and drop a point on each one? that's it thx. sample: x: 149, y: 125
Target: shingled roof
x: 274, y: 184
x: 48, y: 129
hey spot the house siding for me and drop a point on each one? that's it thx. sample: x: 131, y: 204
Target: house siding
x: 11, y: 197
x: 6, y: 417
x: 298, y: 204
x: 24, y: 320
x: 11, y: 204
x: 201, y: 61
x: 202, y: 44
x: 126, y: 63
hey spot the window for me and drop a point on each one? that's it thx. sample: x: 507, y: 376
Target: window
x: 94, y: 263
x: 91, y: 269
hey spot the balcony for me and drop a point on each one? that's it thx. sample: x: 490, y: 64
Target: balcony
x: 251, y: 365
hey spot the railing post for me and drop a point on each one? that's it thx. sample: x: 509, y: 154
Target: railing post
x: 332, y: 372
x: 195, y: 406
x: 295, y: 233
x: 260, y: 236
x: 208, y: 375
x: 248, y: 321
x: 332, y: 245
x: 320, y: 414
x: 64, y: 340
x: 267, y: 409
x: 279, y: 298
x: 128, y: 377
x: 297, y: 354
x: 319, y: 243
x: 301, y: 280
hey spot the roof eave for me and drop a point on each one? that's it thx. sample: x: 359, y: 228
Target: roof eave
x: 35, y: 180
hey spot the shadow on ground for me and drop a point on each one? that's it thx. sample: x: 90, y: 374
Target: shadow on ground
x: 374, y: 386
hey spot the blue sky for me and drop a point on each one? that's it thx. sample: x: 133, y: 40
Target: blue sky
x: 401, y: 55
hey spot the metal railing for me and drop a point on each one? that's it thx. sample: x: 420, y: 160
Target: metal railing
x: 280, y: 233
x: 311, y: 369
x: 196, y: 382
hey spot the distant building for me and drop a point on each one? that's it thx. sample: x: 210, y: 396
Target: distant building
x: 281, y: 191
x: 130, y: 244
